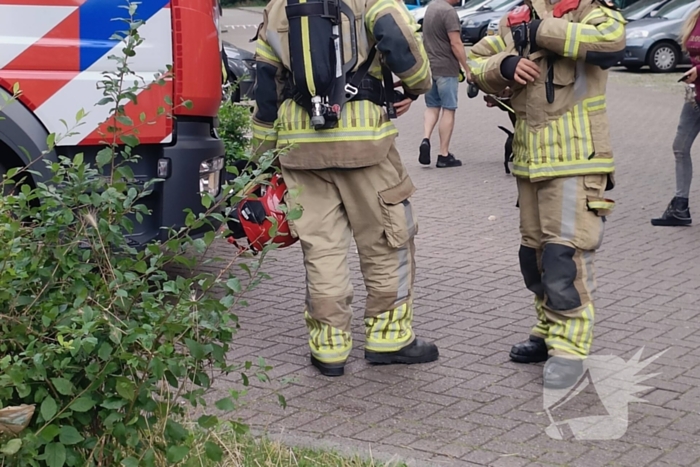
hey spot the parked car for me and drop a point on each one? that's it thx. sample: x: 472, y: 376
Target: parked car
x: 475, y: 26
x: 413, y: 4
x: 655, y: 41
x: 492, y: 28
x: 643, y: 9
x: 419, y: 13
x: 241, y: 71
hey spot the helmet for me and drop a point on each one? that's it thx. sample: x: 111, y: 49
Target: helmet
x: 250, y: 217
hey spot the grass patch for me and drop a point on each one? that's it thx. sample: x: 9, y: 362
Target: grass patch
x: 248, y: 451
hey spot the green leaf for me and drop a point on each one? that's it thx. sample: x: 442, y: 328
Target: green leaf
x: 142, y: 117
x: 130, y: 462
x: 69, y: 436
x: 48, y: 408
x: 234, y: 284
x: 49, y: 433
x: 126, y: 389
x: 177, y: 453
x: 63, y: 386
x: 83, y: 404
x: 104, y: 156
x: 208, y: 421
x: 225, y: 404
x: 129, y: 140
x: 55, y: 455
x: 196, y: 349
x: 12, y: 447
x: 124, y: 120
x: 51, y: 140
x: 105, y: 351
x: 214, y: 452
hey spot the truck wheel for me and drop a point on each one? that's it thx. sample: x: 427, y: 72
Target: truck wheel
x: 663, y: 57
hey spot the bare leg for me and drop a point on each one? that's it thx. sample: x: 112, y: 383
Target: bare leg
x: 447, y: 124
x: 430, y: 120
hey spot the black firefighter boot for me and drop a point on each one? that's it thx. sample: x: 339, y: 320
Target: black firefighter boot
x: 533, y: 350
x: 677, y: 214
x: 562, y: 373
x: 418, y: 351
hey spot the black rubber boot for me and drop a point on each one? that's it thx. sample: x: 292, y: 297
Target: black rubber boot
x: 562, y: 373
x: 328, y: 369
x: 424, y: 152
x: 533, y: 350
x: 448, y: 161
x: 677, y: 214
x: 418, y: 351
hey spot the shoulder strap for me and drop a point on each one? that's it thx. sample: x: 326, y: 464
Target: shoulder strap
x: 352, y: 88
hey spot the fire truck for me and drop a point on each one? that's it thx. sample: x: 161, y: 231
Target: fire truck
x: 57, y: 51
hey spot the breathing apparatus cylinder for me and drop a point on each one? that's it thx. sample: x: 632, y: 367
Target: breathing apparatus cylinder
x: 317, y: 56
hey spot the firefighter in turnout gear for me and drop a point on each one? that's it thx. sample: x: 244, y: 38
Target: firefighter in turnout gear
x: 325, y: 94
x: 554, y: 56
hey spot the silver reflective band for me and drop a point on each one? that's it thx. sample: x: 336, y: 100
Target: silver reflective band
x: 163, y: 168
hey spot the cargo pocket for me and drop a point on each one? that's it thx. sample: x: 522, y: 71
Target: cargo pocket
x: 596, y: 202
x: 400, y: 223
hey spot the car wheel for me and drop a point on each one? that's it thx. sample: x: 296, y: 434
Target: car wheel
x: 663, y: 58
x: 482, y: 33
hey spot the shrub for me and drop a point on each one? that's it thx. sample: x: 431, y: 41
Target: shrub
x: 234, y: 125
x: 109, y: 346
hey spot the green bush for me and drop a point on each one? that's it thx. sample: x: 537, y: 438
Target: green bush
x: 234, y: 125
x: 110, y: 347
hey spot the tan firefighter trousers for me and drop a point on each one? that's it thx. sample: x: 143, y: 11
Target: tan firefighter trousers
x: 562, y: 224
x: 372, y: 204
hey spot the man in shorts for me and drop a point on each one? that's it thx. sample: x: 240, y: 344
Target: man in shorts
x: 443, y: 43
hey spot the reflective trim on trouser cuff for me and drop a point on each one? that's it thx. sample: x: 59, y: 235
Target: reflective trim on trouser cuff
x: 541, y: 329
x: 327, y: 344
x: 391, y: 331
x: 572, y: 335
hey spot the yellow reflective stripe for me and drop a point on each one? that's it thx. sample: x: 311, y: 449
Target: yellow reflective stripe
x: 593, y: 15
x: 373, y: 12
x: 495, y: 42
x: 571, y: 43
x: 573, y: 335
x: 306, y: 47
x: 264, y: 133
x: 594, y: 104
x: 601, y: 204
x: 391, y: 330
x: 264, y: 50
x: 327, y: 344
x: 419, y: 75
x: 325, y: 136
x: 563, y: 169
x: 616, y: 15
x: 608, y: 31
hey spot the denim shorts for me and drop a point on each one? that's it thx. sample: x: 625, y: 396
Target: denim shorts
x: 443, y: 93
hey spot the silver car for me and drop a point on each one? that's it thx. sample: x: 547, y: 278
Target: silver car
x: 656, y: 41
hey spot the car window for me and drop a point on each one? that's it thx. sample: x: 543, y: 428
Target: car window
x: 473, y: 3
x: 676, y: 9
x: 496, y: 5
x: 636, y: 7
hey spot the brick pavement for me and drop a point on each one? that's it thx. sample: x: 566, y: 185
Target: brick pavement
x: 473, y: 406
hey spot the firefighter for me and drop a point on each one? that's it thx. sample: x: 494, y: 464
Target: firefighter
x: 554, y: 56
x: 342, y: 162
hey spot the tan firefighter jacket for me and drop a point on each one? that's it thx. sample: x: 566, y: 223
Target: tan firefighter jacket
x: 364, y: 133
x: 570, y: 135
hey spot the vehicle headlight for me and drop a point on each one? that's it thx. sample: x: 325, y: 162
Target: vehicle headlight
x: 639, y: 34
x: 469, y: 23
x: 210, y: 176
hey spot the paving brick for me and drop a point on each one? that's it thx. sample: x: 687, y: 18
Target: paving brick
x: 473, y: 406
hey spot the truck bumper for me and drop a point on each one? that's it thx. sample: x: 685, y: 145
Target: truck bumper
x: 193, y: 144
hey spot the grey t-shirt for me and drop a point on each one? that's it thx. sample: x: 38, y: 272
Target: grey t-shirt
x: 440, y: 19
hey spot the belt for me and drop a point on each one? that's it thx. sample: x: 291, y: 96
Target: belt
x: 369, y: 89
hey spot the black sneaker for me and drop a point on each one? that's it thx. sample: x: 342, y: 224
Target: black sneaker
x: 677, y: 214
x: 418, y: 351
x: 424, y: 152
x: 448, y: 161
